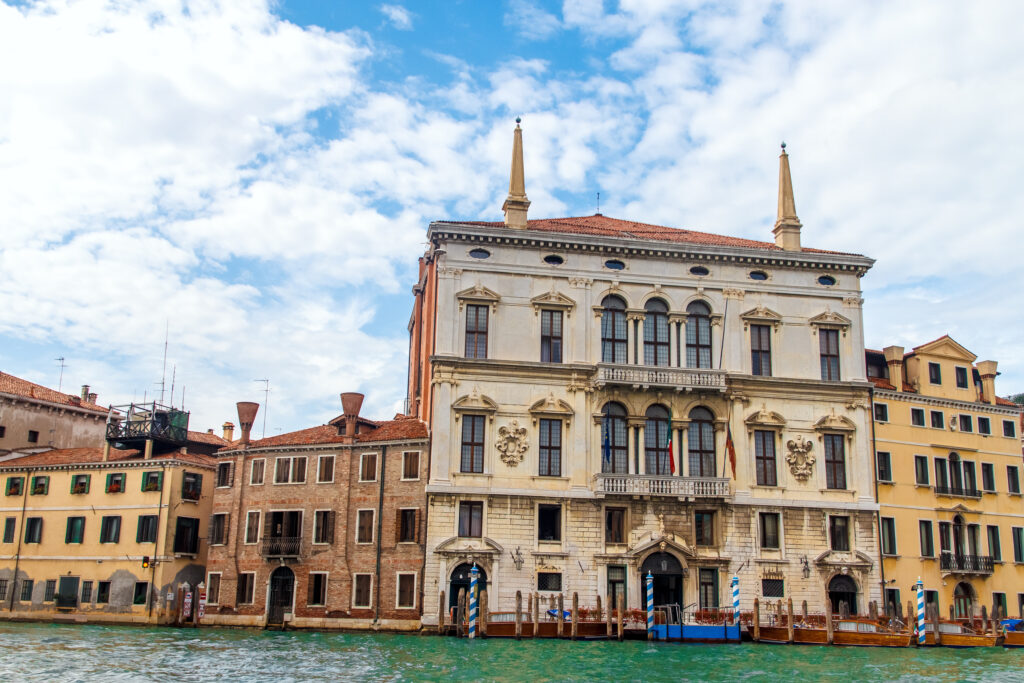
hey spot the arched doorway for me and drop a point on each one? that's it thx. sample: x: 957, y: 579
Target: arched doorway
x: 282, y: 593
x: 963, y: 601
x: 842, y: 589
x: 668, y: 579
x: 461, y: 579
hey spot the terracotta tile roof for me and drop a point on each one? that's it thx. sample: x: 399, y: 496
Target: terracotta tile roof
x: 881, y: 383
x: 206, y: 437
x: 88, y: 456
x: 9, y: 384
x: 1000, y: 401
x: 400, y: 428
x: 605, y: 226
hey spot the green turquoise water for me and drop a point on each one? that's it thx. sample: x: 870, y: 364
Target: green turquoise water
x: 48, y: 652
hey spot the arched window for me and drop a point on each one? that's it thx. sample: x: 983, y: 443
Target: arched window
x: 698, y: 335
x: 613, y: 330
x: 614, y: 454
x: 700, y: 443
x: 657, y: 456
x: 656, y: 333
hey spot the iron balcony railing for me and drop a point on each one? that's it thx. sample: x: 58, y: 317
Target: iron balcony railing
x: 966, y: 564
x: 644, y: 376
x: 280, y: 546
x: 953, y: 490
x: 661, y: 485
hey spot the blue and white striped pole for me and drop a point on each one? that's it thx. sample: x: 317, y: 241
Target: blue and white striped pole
x: 650, y: 605
x: 736, y: 599
x: 474, y: 574
x: 920, y: 612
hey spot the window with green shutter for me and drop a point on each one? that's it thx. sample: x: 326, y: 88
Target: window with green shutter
x: 116, y: 482
x: 75, y: 531
x: 40, y: 486
x: 80, y: 483
x: 152, y: 481
x: 14, y: 486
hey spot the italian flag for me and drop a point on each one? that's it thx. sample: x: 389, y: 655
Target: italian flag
x: 671, y: 458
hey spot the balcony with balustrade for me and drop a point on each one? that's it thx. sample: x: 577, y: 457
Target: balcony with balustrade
x: 965, y: 564
x: 659, y: 377
x: 280, y: 547
x: 660, y: 485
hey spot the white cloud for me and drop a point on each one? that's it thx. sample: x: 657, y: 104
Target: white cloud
x: 399, y: 17
x: 531, y: 21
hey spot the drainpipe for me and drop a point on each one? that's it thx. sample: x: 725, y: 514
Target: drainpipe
x: 426, y: 525
x: 380, y: 521
x: 878, y: 513
x: 165, y: 481
x: 21, y: 535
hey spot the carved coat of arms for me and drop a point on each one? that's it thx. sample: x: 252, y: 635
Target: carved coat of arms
x: 512, y: 443
x: 800, y: 459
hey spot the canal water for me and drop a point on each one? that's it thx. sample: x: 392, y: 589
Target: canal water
x: 49, y: 652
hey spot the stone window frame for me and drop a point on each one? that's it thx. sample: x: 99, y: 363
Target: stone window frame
x: 373, y: 526
x: 252, y: 584
x: 355, y: 583
x: 309, y: 585
x: 537, y: 504
x: 779, y: 531
x: 398, y: 592
x: 419, y: 459
x: 259, y: 526
x: 625, y: 523
x: 319, y: 465
x: 331, y: 516
x: 362, y: 467
x: 263, y: 471
x: 220, y: 577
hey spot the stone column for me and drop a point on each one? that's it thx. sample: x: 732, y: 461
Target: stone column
x: 684, y: 462
x: 642, y: 456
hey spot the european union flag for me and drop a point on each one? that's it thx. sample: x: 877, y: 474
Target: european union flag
x: 606, y: 450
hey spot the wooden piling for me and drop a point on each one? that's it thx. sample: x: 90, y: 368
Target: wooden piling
x: 483, y: 612
x: 757, y: 620
x: 460, y: 612
x: 536, y: 615
x: 872, y: 611
x: 600, y: 614
x: 804, y: 610
x: 441, y: 609
x: 559, y: 619
x: 529, y: 604
x: 935, y: 624
x: 622, y: 608
x: 829, y: 626
x: 984, y: 620
x: 519, y: 615
x: 575, y: 614
x: 789, y: 621
x: 608, y: 620
x: 952, y: 614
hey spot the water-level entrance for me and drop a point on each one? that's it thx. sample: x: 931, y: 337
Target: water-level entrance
x: 282, y: 590
x: 461, y: 579
x: 668, y: 579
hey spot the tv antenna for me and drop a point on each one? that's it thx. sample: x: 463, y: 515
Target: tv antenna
x: 266, y: 404
x: 60, y: 381
x: 163, y: 375
x: 598, y: 203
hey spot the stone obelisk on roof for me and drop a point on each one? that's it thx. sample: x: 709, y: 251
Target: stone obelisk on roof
x: 787, y: 225
x: 516, y: 204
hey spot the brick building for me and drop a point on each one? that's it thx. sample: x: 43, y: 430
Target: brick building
x: 34, y: 416
x: 320, y: 528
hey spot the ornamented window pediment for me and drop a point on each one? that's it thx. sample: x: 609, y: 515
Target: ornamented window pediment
x: 553, y: 300
x: 478, y: 294
x: 830, y: 319
x: 835, y: 423
x: 765, y: 419
x: 475, y: 402
x: 552, y: 407
x: 761, y: 316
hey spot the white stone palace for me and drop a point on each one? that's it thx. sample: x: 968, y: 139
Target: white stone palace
x: 582, y: 377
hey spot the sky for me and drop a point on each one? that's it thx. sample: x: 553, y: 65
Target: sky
x: 252, y: 181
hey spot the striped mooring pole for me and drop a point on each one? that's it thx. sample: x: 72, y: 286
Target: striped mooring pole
x: 650, y: 604
x: 736, y: 600
x: 474, y: 597
x: 920, y: 612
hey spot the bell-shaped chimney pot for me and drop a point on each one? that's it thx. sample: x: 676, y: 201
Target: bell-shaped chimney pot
x: 351, y: 402
x: 246, y: 416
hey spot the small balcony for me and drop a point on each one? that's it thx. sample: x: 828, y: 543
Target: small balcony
x: 280, y: 546
x: 965, y: 564
x: 646, y: 376
x: 660, y: 485
x: 957, y: 491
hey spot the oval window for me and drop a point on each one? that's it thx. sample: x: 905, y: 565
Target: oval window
x: 699, y: 270
x: 614, y: 264
x: 480, y: 253
x: 554, y: 260
x: 758, y: 275
x: 826, y: 280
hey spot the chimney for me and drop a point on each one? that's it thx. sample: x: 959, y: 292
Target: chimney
x: 246, y: 416
x: 85, y: 392
x: 894, y: 359
x: 229, y: 431
x: 516, y: 203
x: 92, y: 398
x: 351, y: 402
x: 787, y: 225
x: 987, y: 370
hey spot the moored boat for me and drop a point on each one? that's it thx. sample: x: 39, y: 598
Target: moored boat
x: 955, y: 634
x: 1012, y: 637
x: 866, y: 633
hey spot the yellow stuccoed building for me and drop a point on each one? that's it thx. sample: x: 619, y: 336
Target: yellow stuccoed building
x: 948, y: 465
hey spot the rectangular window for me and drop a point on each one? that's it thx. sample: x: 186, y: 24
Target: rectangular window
x: 549, y: 522
x: 407, y: 525
x: 411, y: 465
x: 934, y: 373
x: 839, y: 532
x: 186, y: 535
x: 50, y: 589
x: 1009, y: 429
x: 86, y: 592
x: 141, y: 593
x: 75, y: 531
x: 835, y: 461
x: 1018, y: 543
x: 616, y: 585
x: 224, y: 475
x: 361, y: 590
x: 110, y: 529
x: 944, y: 536
x: 191, y: 486
x: 881, y: 412
x: 984, y: 425
x: 704, y: 528
x: 888, y: 536
x: 927, y: 542
x: 550, y: 448
x: 40, y: 486
x: 15, y: 486
x: 9, y: 529
x: 476, y: 331
x: 34, y: 530
x: 473, y: 443
x: 941, y: 474
x: 102, y: 592
x: 317, y: 594
x: 764, y: 454
x: 961, y: 378
x: 152, y: 481
x: 218, y: 529
x: 368, y: 467
x: 116, y: 482
x: 80, y: 483
x: 244, y: 591
x: 917, y: 417
x: 892, y: 599
x: 33, y: 436
x: 364, y: 526
x: 884, y: 461
x: 921, y: 470
x: 615, y: 525
x: 212, y: 589
x: 252, y: 527
x: 471, y: 516
x: 256, y: 471
x: 708, y: 583
x: 773, y: 588
x: 999, y: 600
x: 828, y: 344
x: 323, y: 526
x: 769, y: 530
x: 761, y: 350
x: 290, y: 470
x: 406, y: 598
x: 1012, y: 479
x: 325, y: 469
x: 146, y: 530
x: 551, y: 336
x: 988, y: 476
x: 970, y: 479
x: 549, y: 581
x: 938, y: 419
x: 965, y: 423
x: 26, y: 590
x: 995, y: 550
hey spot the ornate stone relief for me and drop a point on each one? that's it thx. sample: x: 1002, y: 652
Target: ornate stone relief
x: 800, y: 459
x: 512, y: 443
x: 580, y: 282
